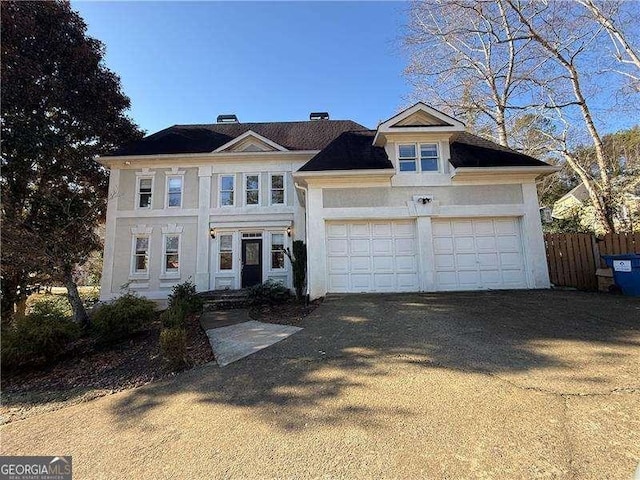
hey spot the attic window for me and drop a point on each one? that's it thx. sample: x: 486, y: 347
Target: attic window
x: 428, y: 156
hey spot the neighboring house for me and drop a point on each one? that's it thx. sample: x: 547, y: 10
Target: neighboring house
x: 577, y: 204
x: 416, y: 205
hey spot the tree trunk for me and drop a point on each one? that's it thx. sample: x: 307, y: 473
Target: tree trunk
x: 79, y: 313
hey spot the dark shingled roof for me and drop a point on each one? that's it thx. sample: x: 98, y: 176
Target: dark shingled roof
x: 354, y: 151
x: 468, y: 150
x: 350, y: 151
x: 311, y: 135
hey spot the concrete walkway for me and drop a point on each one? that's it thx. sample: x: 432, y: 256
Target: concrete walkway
x: 233, y: 336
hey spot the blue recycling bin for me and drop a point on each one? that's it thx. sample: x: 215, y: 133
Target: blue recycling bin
x: 626, y: 272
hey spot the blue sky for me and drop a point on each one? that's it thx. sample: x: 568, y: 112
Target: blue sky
x: 183, y: 62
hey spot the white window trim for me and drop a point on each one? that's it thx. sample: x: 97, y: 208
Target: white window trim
x: 233, y: 253
x: 133, y: 273
x: 143, y: 176
x: 285, y: 245
x: 417, y: 159
x: 244, y: 188
x: 284, y: 187
x: 235, y: 190
x: 170, y: 175
x: 165, y: 273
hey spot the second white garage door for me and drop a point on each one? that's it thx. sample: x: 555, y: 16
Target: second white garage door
x: 478, y: 253
x: 372, y: 256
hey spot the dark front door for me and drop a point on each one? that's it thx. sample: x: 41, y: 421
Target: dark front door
x: 251, y: 262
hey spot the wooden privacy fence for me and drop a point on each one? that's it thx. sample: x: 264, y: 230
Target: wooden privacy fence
x: 573, y: 258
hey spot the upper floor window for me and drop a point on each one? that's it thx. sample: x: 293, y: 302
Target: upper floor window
x: 145, y: 189
x: 277, y: 189
x: 252, y: 189
x: 174, y: 191
x: 227, y: 187
x: 418, y: 157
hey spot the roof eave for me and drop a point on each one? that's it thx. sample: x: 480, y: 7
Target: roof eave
x: 530, y: 171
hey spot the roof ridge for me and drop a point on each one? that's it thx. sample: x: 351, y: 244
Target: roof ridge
x: 262, y: 123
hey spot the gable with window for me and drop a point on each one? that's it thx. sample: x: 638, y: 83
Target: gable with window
x: 418, y: 157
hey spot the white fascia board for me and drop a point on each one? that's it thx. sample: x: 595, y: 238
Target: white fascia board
x: 110, y: 160
x: 383, y: 172
x: 535, y: 171
x: 250, y: 133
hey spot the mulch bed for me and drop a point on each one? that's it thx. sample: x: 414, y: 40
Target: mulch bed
x: 88, y: 372
x: 291, y: 313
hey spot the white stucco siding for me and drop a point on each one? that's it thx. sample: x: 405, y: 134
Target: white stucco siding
x: 152, y: 284
x: 399, y: 196
x: 128, y: 187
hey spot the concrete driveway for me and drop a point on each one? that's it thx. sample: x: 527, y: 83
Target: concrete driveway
x: 532, y: 384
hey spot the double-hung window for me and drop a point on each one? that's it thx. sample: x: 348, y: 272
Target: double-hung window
x: 145, y: 189
x: 227, y: 187
x: 171, y: 256
x: 174, y: 191
x: 140, y: 255
x: 226, y: 252
x: 277, y: 251
x: 418, y: 157
x: 277, y: 189
x: 252, y: 189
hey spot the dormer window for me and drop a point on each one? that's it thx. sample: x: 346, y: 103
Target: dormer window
x: 410, y: 161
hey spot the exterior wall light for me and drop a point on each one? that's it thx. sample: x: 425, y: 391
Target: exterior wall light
x: 212, y: 231
x: 288, y: 231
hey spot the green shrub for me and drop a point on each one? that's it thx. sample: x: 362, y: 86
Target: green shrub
x: 269, y: 292
x: 174, y: 317
x: 41, y: 336
x: 50, y: 306
x: 185, y: 296
x: 173, y: 345
x: 120, y: 318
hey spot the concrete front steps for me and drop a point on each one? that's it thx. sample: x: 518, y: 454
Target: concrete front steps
x: 224, y: 299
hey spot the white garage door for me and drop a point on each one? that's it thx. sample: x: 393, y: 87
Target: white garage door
x: 478, y: 253
x: 372, y: 256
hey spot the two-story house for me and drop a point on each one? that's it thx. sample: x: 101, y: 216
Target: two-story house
x: 418, y: 204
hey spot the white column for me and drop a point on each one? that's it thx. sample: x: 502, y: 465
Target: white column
x: 426, y: 255
x: 316, y: 248
x: 110, y: 236
x: 533, y: 239
x: 203, y: 238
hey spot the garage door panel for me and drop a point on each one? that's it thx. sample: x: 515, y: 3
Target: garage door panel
x: 376, y: 256
x: 337, y: 246
x: 478, y: 253
x: 359, y: 246
x: 359, y: 229
x: 382, y: 246
x: 382, y: 264
x: 360, y: 264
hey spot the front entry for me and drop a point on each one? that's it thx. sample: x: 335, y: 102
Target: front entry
x: 251, y: 262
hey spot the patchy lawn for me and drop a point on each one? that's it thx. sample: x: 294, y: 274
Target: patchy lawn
x: 89, y: 372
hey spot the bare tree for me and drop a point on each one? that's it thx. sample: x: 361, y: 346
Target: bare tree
x: 470, y: 58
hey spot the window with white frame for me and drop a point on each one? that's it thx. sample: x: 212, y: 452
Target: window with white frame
x: 226, y: 252
x: 252, y: 189
x: 277, y: 251
x: 418, y: 157
x: 174, y: 191
x: 171, y: 255
x: 227, y: 187
x: 145, y: 190
x: 140, y: 254
x: 277, y: 189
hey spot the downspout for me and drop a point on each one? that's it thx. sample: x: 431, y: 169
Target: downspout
x: 306, y: 229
